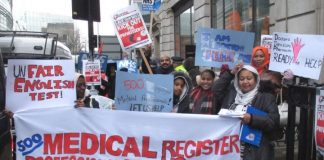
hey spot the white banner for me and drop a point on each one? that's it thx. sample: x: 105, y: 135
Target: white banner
x: 39, y: 84
x: 319, y: 120
x: 85, y: 133
x: 301, y: 53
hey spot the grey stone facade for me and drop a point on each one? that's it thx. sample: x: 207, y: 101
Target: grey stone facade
x: 293, y: 16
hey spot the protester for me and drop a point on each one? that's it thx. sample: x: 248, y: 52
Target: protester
x: 111, y: 81
x: 193, y: 71
x: 103, y: 88
x: 243, y: 93
x: 260, y: 59
x: 181, y: 89
x: 202, y: 98
x: 90, y: 101
x: 177, y: 64
x: 165, y: 65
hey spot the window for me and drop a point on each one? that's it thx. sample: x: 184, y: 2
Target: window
x: 242, y: 15
x: 184, y: 27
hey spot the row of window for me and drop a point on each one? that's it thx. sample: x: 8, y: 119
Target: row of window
x: 240, y: 15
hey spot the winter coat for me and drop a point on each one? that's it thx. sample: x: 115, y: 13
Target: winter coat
x: 161, y: 70
x: 268, y: 125
x: 183, y: 102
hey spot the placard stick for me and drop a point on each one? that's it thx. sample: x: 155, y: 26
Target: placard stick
x: 145, y: 61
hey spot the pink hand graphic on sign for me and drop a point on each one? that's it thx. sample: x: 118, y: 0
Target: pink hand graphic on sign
x: 296, y: 45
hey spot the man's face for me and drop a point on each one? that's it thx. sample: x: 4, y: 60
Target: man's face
x: 80, y: 87
x: 165, y: 62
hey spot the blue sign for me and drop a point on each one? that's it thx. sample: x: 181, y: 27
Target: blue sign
x: 144, y: 92
x: 130, y: 65
x: 216, y: 47
x: 85, y: 56
x: 151, y: 6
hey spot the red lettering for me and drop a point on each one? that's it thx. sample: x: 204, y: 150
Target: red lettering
x: 55, y: 146
x: 131, y: 147
x: 234, y: 140
x: 41, y: 96
x: 145, y: 148
x: 192, y: 152
x: 199, y: 147
x: 102, y: 143
x: 30, y: 86
x: 179, y: 148
x: 69, y: 141
x: 58, y: 70
x: 206, y: 146
x: 40, y: 71
x: 109, y: 145
x: 33, y: 96
x: 57, y: 84
x: 86, y: 137
x: 225, y: 145
x: 49, y: 70
x: 30, y: 70
x: 17, y: 86
x: 168, y: 145
x: 217, y: 144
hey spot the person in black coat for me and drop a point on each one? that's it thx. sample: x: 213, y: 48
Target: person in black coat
x: 181, y: 90
x: 240, y: 93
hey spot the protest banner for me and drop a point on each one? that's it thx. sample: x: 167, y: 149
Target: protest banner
x: 96, y: 134
x: 130, y: 28
x: 216, y: 47
x: 86, y: 56
x: 91, y: 72
x: 266, y: 41
x: 302, y: 54
x: 130, y: 65
x: 143, y: 92
x: 151, y: 5
x: 39, y: 83
x: 319, y: 120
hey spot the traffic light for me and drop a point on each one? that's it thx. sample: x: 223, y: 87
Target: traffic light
x: 80, y: 9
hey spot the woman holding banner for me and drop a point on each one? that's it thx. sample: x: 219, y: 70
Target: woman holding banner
x: 243, y: 93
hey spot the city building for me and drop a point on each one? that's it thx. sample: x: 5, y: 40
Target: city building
x: 6, y: 20
x: 35, y: 21
x: 178, y: 20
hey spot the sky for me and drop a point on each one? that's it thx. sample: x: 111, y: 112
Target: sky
x: 64, y: 7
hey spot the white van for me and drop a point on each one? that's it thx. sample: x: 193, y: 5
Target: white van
x: 32, y: 45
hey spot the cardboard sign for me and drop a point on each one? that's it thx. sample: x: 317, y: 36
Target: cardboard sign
x: 266, y: 41
x: 39, y: 83
x: 91, y: 72
x: 151, y: 5
x: 216, y: 47
x: 86, y: 56
x: 130, y: 28
x: 319, y: 120
x: 301, y: 53
x: 143, y: 92
x: 95, y: 134
x: 130, y: 65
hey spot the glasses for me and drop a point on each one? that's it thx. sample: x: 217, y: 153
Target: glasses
x: 79, y: 85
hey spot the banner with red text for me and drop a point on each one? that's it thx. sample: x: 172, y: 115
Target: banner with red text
x: 96, y: 134
x: 130, y: 28
x: 319, y: 120
x: 39, y: 84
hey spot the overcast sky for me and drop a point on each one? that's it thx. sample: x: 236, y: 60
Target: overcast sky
x: 64, y: 7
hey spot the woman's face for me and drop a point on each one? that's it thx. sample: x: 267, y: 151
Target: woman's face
x: 206, y: 81
x: 258, y: 58
x: 178, y: 86
x: 246, y: 81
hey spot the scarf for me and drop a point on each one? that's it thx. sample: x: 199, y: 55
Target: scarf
x: 266, y: 61
x: 202, y: 101
x: 245, y: 98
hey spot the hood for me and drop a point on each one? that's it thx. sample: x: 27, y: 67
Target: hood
x: 76, y: 77
x: 188, y: 84
x: 266, y: 58
x: 251, y: 69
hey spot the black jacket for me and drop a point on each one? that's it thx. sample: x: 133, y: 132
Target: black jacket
x: 266, y: 102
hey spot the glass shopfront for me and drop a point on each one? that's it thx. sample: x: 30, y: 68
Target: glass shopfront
x: 242, y: 15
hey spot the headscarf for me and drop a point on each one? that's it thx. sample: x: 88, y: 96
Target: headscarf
x: 245, y: 98
x: 266, y: 58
